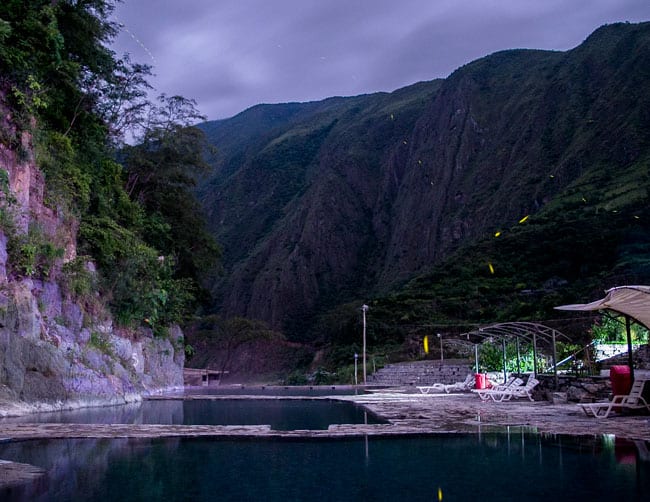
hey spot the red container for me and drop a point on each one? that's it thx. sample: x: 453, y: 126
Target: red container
x: 480, y: 381
x: 620, y: 379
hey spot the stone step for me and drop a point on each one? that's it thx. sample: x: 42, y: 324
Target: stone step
x: 422, y: 373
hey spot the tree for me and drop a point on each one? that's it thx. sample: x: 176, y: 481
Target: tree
x: 161, y: 174
x: 612, y: 329
x: 138, y: 218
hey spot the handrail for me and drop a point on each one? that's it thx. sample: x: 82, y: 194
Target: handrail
x: 572, y: 356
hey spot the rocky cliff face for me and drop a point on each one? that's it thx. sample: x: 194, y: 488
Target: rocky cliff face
x: 56, y: 352
x: 336, y: 200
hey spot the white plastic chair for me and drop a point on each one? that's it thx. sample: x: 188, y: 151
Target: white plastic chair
x: 631, y: 401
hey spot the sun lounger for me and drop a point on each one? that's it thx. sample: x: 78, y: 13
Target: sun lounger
x: 519, y: 391
x: 511, y: 391
x: 512, y: 382
x: 436, y: 387
x: 467, y: 384
x: 440, y: 387
x: 485, y: 394
x: 631, y: 401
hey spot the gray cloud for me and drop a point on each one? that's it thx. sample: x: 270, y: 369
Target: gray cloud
x: 232, y: 54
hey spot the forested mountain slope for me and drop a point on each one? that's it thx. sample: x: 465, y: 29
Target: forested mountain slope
x: 319, y: 204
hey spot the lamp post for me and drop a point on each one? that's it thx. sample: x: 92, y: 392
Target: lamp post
x: 630, y: 358
x: 364, y: 308
x: 356, y: 357
x: 441, y: 356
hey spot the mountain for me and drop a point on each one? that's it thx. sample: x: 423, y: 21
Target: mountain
x: 382, y: 195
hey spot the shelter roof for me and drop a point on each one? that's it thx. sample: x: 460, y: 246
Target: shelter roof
x: 512, y: 330
x: 633, y: 301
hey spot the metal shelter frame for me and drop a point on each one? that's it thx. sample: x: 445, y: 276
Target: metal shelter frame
x: 529, y: 331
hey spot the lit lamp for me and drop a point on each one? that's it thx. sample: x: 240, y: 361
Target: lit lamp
x: 440, y: 336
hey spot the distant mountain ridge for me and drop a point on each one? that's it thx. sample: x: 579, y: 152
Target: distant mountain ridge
x: 317, y: 204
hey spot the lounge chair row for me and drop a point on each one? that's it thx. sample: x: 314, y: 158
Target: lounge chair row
x: 467, y: 384
x: 485, y: 394
x: 515, y: 388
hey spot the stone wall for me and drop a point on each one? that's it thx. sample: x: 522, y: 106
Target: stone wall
x: 69, y: 360
x: 421, y: 373
x: 578, y: 389
x: 640, y: 358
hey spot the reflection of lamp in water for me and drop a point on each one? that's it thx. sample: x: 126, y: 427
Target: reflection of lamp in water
x: 356, y: 357
x: 364, y: 308
x: 365, y: 421
x: 440, y: 336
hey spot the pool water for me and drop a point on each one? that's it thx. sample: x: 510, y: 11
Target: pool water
x: 457, y: 467
x: 280, y: 414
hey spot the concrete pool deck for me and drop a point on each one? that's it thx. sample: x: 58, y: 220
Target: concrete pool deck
x: 407, y: 414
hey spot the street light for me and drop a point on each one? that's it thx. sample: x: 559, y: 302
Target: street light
x: 356, y: 357
x: 440, y: 336
x: 364, y: 308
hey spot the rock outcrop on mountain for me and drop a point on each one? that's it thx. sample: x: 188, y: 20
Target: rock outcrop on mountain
x: 57, y: 349
x: 321, y: 203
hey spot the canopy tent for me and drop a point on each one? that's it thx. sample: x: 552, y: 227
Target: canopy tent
x: 631, y: 301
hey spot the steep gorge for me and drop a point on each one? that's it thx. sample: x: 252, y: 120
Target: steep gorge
x: 328, y: 202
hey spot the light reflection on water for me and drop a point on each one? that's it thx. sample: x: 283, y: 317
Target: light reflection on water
x: 516, y: 466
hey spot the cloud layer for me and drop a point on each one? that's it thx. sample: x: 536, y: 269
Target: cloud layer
x: 232, y: 54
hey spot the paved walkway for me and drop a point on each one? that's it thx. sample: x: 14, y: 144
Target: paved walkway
x: 407, y: 414
x: 431, y: 413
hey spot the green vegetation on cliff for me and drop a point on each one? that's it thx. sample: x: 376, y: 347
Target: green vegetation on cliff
x: 137, y: 217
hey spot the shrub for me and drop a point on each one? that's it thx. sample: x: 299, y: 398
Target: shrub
x: 101, y: 342
x: 32, y: 254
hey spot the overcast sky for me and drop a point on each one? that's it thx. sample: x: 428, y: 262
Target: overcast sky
x: 229, y: 55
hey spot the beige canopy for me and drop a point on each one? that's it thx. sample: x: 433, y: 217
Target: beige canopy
x: 632, y: 301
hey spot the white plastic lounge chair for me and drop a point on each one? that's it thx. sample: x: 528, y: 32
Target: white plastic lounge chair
x: 631, y: 401
x: 436, y: 387
x: 518, y: 391
x: 507, y: 393
x: 485, y: 394
x: 467, y: 384
x: 440, y: 387
x: 512, y: 382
